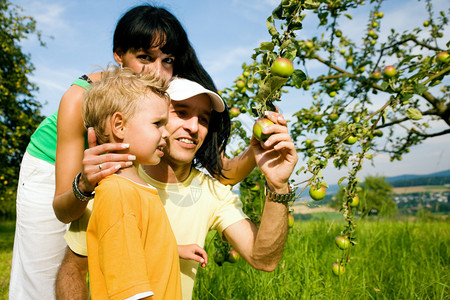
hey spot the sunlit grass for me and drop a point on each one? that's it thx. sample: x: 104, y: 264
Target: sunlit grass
x: 393, y: 260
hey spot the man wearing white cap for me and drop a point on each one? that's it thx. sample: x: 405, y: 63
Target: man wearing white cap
x: 197, y: 203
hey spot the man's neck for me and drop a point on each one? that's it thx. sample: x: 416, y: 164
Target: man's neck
x: 168, y: 173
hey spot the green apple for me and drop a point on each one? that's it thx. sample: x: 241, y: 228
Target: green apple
x: 219, y: 258
x: 317, y: 118
x: 309, y: 44
x: 317, y: 193
x: 259, y: 125
x: 332, y: 94
x: 443, y: 57
x: 389, y: 71
x: 240, y: 84
x: 354, y: 201
x: 233, y: 256
x: 351, y: 140
x: 309, y: 143
x: 291, y: 220
x: 342, y: 242
x: 376, y: 75
x: 234, y: 112
x: 255, y: 187
x: 282, y: 67
x: 338, y: 269
x: 333, y: 117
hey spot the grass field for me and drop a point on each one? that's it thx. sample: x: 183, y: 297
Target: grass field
x: 393, y: 260
x: 422, y: 189
x: 6, y: 245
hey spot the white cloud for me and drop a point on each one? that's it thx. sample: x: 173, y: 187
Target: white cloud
x: 50, y: 17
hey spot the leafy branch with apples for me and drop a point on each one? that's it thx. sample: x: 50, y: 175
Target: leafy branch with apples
x: 383, y: 93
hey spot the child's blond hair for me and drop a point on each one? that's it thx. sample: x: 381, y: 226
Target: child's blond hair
x: 119, y: 90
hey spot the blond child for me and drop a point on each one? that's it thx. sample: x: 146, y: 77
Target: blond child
x: 132, y: 251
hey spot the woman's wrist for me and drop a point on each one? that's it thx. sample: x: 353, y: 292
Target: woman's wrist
x: 79, y: 194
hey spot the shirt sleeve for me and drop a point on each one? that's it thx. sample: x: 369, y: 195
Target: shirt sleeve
x: 229, y: 207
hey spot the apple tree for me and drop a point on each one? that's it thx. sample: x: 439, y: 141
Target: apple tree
x: 381, y: 90
x: 19, y: 111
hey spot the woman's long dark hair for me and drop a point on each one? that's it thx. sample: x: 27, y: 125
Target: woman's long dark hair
x: 146, y: 26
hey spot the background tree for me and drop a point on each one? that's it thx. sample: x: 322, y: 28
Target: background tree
x: 378, y: 92
x: 19, y: 111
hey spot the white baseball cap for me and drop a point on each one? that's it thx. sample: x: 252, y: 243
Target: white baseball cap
x: 182, y: 89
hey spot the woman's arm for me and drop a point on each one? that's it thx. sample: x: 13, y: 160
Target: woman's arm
x: 69, y: 155
x: 237, y: 168
x: 72, y: 158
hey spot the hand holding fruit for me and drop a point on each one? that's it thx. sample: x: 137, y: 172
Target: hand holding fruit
x: 277, y: 156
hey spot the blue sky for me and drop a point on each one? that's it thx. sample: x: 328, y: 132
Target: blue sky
x: 224, y: 33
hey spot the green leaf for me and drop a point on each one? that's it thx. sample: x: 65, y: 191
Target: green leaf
x: 406, y: 96
x: 342, y: 179
x: 272, y: 30
x: 311, y: 4
x: 414, y: 114
x: 419, y: 89
x: 285, y: 44
x: 348, y: 16
x: 277, y: 13
x: 298, y: 77
x: 266, y: 46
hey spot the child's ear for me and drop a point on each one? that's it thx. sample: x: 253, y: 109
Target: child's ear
x: 118, y: 127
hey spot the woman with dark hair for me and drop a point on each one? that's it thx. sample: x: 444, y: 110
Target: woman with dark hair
x: 147, y: 39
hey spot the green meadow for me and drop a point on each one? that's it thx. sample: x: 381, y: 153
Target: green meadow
x: 392, y: 260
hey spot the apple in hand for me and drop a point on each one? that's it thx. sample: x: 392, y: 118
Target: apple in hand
x: 282, y: 67
x: 259, y: 125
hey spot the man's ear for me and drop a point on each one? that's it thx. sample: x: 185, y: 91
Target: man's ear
x: 118, y: 126
x: 118, y: 54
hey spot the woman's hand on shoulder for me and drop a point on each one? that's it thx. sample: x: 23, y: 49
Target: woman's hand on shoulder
x: 99, y: 162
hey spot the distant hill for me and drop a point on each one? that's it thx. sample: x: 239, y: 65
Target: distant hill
x: 438, y: 178
x: 415, y: 177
